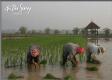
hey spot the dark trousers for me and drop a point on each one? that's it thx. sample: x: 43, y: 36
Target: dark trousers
x: 64, y: 57
x: 89, y: 57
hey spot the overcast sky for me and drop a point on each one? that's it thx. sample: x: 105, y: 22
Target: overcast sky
x: 58, y: 15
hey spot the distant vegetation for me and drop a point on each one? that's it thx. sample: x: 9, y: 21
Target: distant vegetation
x: 23, y: 31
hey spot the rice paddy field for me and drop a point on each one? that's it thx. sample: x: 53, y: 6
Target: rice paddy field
x: 14, y: 59
x: 14, y: 51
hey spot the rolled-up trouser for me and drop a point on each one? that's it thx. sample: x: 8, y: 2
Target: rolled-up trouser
x: 89, y: 57
x: 65, y: 58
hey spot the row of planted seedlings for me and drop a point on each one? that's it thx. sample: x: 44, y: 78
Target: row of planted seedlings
x: 52, y: 54
x: 51, y: 50
x: 17, y: 57
x: 14, y: 58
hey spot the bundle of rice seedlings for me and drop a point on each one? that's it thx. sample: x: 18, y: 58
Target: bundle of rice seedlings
x: 13, y: 76
x: 44, y: 62
x: 92, y: 68
x: 69, y: 77
x: 50, y: 76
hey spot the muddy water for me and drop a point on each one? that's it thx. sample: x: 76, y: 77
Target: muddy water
x: 79, y: 73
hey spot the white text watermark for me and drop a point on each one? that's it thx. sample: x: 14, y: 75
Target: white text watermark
x: 18, y: 9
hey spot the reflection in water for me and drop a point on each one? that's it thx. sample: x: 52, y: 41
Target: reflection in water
x: 79, y: 73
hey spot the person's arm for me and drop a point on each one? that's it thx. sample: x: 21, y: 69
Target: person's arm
x: 29, y: 59
x: 72, y: 53
x: 102, y: 50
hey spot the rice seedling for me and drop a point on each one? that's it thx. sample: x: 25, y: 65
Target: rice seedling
x: 13, y: 76
x: 68, y: 77
x: 44, y: 62
x: 50, y: 77
x: 91, y: 68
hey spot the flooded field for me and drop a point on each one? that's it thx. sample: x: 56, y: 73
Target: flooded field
x: 79, y: 73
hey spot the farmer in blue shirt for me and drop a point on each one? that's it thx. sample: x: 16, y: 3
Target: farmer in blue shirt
x: 70, y: 50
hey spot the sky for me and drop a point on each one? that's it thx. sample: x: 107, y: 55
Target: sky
x: 57, y: 14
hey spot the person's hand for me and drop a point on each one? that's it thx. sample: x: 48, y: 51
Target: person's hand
x: 77, y: 62
x: 70, y: 56
x: 37, y: 65
x: 34, y: 63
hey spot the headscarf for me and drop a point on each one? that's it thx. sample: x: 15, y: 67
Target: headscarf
x: 80, y: 50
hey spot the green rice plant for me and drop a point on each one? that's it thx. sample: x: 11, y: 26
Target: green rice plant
x: 44, y: 62
x: 92, y: 68
x: 69, y: 77
x: 13, y: 76
x: 50, y: 77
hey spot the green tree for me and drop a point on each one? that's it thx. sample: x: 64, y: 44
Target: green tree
x: 47, y: 30
x: 67, y: 32
x: 76, y: 31
x: 107, y: 32
x: 83, y: 31
x: 56, y: 31
x: 33, y: 31
x: 23, y: 30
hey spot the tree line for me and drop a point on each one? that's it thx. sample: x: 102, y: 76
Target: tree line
x: 106, y: 32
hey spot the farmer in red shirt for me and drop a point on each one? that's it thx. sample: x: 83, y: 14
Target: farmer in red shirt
x: 70, y: 50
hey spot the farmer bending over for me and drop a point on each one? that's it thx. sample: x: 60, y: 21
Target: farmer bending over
x: 91, y: 51
x: 70, y: 50
x: 33, y: 56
